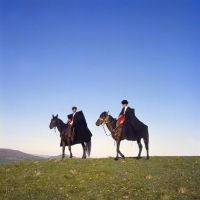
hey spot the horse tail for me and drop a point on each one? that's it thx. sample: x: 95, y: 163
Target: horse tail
x: 89, y: 147
x: 147, y: 135
x: 146, y: 141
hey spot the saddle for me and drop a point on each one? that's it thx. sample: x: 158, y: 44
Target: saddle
x: 119, y: 124
x: 69, y: 133
x: 120, y: 121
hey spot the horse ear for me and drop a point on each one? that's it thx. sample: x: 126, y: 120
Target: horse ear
x: 57, y: 115
x: 53, y: 116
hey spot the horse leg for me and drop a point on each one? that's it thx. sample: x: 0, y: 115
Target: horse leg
x: 140, y: 148
x: 146, y: 142
x: 84, y: 150
x: 118, y: 151
x: 63, y: 148
x: 88, y: 148
x: 69, y: 148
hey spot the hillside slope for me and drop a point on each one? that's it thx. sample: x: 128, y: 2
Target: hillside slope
x: 162, y: 178
x: 10, y: 155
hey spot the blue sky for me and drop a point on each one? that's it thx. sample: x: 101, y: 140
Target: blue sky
x: 93, y: 54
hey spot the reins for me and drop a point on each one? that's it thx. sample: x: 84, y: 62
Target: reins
x: 105, y: 121
x: 55, y: 128
x: 105, y: 131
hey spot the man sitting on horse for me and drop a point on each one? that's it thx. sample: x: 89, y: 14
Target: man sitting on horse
x: 78, y: 125
x: 123, y: 111
x: 72, y: 120
x: 128, y: 119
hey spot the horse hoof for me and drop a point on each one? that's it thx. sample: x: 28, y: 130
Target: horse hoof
x: 116, y: 158
x: 139, y: 157
x: 123, y: 157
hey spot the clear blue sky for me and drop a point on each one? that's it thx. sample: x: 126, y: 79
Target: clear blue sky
x: 93, y: 54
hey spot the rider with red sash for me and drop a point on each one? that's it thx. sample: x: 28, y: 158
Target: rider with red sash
x: 131, y: 124
x: 122, y: 113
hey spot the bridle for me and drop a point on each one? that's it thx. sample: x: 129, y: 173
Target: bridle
x: 105, y: 121
x: 57, y: 124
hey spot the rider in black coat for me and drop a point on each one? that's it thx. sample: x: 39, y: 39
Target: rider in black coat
x: 131, y: 125
x: 79, y: 126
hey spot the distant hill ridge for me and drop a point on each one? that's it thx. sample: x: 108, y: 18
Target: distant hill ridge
x: 10, y: 155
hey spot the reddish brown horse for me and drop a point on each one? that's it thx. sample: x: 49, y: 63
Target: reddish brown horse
x: 116, y: 132
x: 67, y: 138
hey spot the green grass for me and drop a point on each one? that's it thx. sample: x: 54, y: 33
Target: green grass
x: 158, y: 178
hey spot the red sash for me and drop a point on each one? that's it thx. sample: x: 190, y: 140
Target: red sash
x: 122, y: 119
x: 69, y: 121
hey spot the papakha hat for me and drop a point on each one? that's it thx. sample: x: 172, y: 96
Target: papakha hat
x: 124, y: 102
x: 74, y: 107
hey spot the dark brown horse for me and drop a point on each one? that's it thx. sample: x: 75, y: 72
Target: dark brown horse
x: 116, y: 131
x: 67, y: 138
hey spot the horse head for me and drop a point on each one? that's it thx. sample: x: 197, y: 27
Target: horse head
x: 103, y: 118
x: 54, y: 121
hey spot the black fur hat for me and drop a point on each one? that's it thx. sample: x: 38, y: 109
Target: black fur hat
x: 124, y: 102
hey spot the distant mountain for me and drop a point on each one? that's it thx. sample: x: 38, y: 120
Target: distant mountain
x: 43, y: 156
x: 52, y: 157
x: 10, y: 155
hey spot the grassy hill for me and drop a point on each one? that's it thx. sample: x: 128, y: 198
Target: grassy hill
x: 162, y: 178
x: 9, y: 155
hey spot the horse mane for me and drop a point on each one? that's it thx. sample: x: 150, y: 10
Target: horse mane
x: 60, y: 121
x: 113, y: 121
x: 62, y: 124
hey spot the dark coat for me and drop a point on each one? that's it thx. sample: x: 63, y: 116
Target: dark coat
x: 132, y: 127
x: 82, y: 132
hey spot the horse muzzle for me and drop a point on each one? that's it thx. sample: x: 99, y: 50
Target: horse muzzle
x: 99, y: 122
